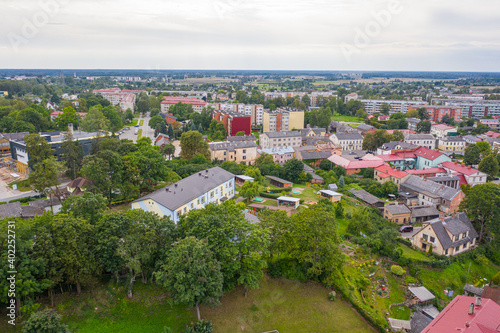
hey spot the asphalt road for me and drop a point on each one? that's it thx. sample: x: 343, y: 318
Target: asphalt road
x: 146, y: 130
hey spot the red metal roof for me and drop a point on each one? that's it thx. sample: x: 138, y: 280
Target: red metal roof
x: 428, y: 153
x: 462, y: 177
x: 364, y: 164
x: 184, y: 100
x: 391, y: 172
x: 456, y: 318
x: 460, y: 168
x: 390, y: 157
x: 425, y: 171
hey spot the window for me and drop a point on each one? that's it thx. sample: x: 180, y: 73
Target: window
x: 244, y: 157
x: 198, y: 201
x: 396, y: 220
x: 244, y: 151
x: 457, y: 248
x: 446, y: 252
x: 192, y: 205
x: 425, y: 236
x: 432, y: 239
x: 185, y: 209
x: 465, y: 246
x: 203, y: 200
x: 216, y: 191
x: 464, y: 235
x: 456, y: 238
x: 212, y: 194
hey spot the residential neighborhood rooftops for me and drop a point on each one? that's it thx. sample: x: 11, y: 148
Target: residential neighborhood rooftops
x: 426, y: 171
x: 420, y: 137
x: 277, y: 151
x: 428, y: 153
x: 315, y: 155
x: 424, y: 211
x: 279, y: 180
x: 456, y: 225
x: 430, y: 188
x: 355, y: 164
x: 241, y: 138
x: 466, y: 170
x: 282, y: 134
x: 452, y: 139
x: 397, y: 209
x: 456, y: 318
x: 175, y: 195
x: 364, y: 127
x: 443, y: 127
x: 366, y: 197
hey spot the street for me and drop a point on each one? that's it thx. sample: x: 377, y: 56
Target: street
x: 146, y: 130
x: 409, y: 235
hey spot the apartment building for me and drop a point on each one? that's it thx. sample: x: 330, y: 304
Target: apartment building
x: 280, y: 139
x: 375, y: 105
x: 452, y: 143
x: 213, y: 185
x: 412, y: 123
x: 240, y: 152
x: 443, y: 130
x: 282, y: 119
x: 437, y: 112
x: 255, y: 111
x: 280, y: 155
x: 472, y: 108
x: 348, y: 141
x: 234, y: 122
x: 125, y: 98
x: 422, y: 140
x: 467, y: 174
x: 168, y: 101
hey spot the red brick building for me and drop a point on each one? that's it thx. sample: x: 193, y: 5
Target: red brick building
x: 234, y: 122
x: 437, y: 112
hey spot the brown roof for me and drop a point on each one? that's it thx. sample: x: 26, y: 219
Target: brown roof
x: 78, y: 182
x: 492, y: 293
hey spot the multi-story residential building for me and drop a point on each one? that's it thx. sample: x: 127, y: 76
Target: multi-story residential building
x: 398, y: 213
x: 452, y: 143
x: 472, y: 108
x: 242, y: 138
x: 125, y: 98
x: 282, y: 119
x: 234, y: 122
x: 239, y: 152
x: 396, y: 147
x: 280, y: 155
x: 428, y: 158
x: 340, y: 127
x: 255, y: 111
x: 429, y: 193
x: 448, y: 236
x: 348, y: 141
x: 312, y: 132
x: 437, y: 112
x: 467, y: 174
x: 375, y: 105
x: 385, y: 173
x: 313, y: 96
x: 350, y: 96
x: 442, y: 130
x: 280, y: 139
x: 401, y: 160
x: 470, y: 139
x: 412, y: 123
x: 491, y: 123
x: 213, y: 185
x: 422, y: 140
x: 168, y: 101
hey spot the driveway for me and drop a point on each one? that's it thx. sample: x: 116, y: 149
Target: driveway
x: 409, y: 235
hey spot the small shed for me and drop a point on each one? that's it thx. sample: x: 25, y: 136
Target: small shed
x: 471, y: 290
x: 288, y: 202
x: 242, y: 179
x: 330, y: 195
x: 333, y: 187
x: 421, y: 295
x: 278, y: 182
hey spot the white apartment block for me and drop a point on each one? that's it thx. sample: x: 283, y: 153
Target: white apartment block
x: 280, y: 139
x: 126, y: 99
x: 423, y: 140
x: 472, y: 108
x: 375, y: 105
x: 348, y: 141
x: 255, y: 111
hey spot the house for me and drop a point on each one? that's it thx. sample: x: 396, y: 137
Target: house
x: 354, y: 166
x: 242, y: 179
x: 467, y: 315
x: 280, y: 139
x: 400, y: 160
x: 316, y: 179
x: 242, y: 138
x: 412, y: 123
x: 491, y: 123
x: 395, y: 147
x: 15, y: 209
x: 448, y: 236
x: 162, y: 140
x: 213, y: 185
x: 470, y: 175
x: 452, y: 181
x: 368, y: 199
x: 363, y: 129
x: 340, y: 127
x: 421, y: 295
x: 332, y: 196
x: 348, y: 141
x: 429, y: 193
x: 280, y: 155
x: 284, y: 201
x: 279, y: 182
x: 312, y: 132
x: 429, y: 158
x: 470, y: 139
x: 398, y: 213
x: 383, y: 118
x: 452, y: 144
x: 492, y: 134
x: 426, y: 173
x: 385, y: 173
x: 239, y: 152
x: 442, y: 130
x: 423, y: 140
x: 169, y: 117
x: 421, y: 214
x: 77, y: 186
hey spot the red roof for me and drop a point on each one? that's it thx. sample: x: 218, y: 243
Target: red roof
x: 460, y: 168
x: 406, y: 154
x: 492, y: 134
x: 428, y: 153
x: 425, y: 171
x: 456, y: 318
x: 462, y: 178
x: 390, y: 157
x: 391, y: 172
x: 184, y: 100
x: 364, y: 164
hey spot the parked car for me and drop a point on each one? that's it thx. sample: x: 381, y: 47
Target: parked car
x: 136, y: 125
x: 406, y: 228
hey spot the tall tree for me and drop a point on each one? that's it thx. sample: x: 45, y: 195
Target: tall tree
x: 38, y: 149
x: 192, y: 144
x: 45, y: 178
x: 424, y: 126
x: 293, y: 168
x: 489, y: 165
x: 72, y: 155
x: 472, y: 155
x: 88, y: 206
x: 192, y: 274
x: 69, y: 116
x: 249, y: 190
x: 94, y: 121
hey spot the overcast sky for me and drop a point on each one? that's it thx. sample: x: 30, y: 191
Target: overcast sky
x: 445, y: 35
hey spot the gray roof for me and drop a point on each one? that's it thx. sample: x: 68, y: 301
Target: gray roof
x: 317, y: 131
x: 304, y: 148
x: 452, y: 139
x: 349, y: 136
x: 278, y: 179
x: 474, y: 290
x: 364, y: 127
x: 471, y: 138
x: 393, y: 144
x: 413, y: 120
x: 316, y: 155
x: 12, y: 209
x: 456, y: 225
x: 31, y: 211
x: 429, y: 188
x: 397, y: 209
x: 424, y: 211
x: 419, y: 322
x: 251, y: 217
x: 189, y: 188
x: 444, y: 178
x: 366, y: 196
x: 420, y: 137
x: 421, y: 293
x: 13, y: 136
x: 241, y: 138
x: 231, y: 146
x: 282, y: 134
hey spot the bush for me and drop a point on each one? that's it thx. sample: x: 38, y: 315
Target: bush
x: 410, y: 279
x: 47, y: 320
x: 332, y: 295
x: 496, y: 279
x: 397, y: 270
x: 201, y: 326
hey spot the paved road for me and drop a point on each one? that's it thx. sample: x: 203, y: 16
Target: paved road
x: 11, y: 195
x: 409, y: 235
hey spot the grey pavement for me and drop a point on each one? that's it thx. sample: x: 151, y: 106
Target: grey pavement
x: 146, y: 130
x: 409, y: 235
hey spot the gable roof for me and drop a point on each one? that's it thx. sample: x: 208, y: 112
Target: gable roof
x: 424, y: 211
x: 422, y: 293
x: 364, y: 127
x: 282, y: 134
x: 430, y: 188
x: 420, y: 137
x: 316, y: 155
x: 397, y: 209
x: 12, y: 209
x: 348, y: 136
x: 456, y: 225
x: 427, y: 153
x: 391, y: 172
x: 231, y: 146
x: 366, y: 196
x: 175, y: 195
x: 443, y: 127
x: 459, y: 168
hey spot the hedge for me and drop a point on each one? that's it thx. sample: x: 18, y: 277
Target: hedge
x: 269, y: 195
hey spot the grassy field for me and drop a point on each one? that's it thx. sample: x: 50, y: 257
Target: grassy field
x: 133, y: 122
x: 414, y: 254
x: 286, y: 306
x: 141, y: 122
x: 139, y: 134
x: 400, y: 312
x: 349, y: 119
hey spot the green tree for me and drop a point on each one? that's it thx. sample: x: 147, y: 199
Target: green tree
x: 192, y: 274
x: 385, y: 108
x: 424, y: 126
x: 341, y: 183
x: 484, y: 148
x: 38, y: 149
x: 104, y: 171
x: 168, y: 150
x: 88, y: 206
x: 45, y: 321
x: 423, y: 114
x: 170, y: 132
x: 279, y: 225
x: 94, y: 121
x: 192, y: 144
x: 489, y: 165
x: 482, y: 205
x: 156, y: 120
x: 413, y: 113
x: 45, y: 178
x: 397, y: 136
x: 240, y: 133
x: 249, y: 190
x: 69, y: 116
x: 72, y: 155
x: 293, y: 168
x: 472, y: 155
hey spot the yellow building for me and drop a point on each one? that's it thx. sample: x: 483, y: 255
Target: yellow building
x: 398, y: 213
x: 238, y: 152
x: 451, y: 143
x: 282, y: 119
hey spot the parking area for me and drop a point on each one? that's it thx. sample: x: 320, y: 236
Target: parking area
x: 409, y: 235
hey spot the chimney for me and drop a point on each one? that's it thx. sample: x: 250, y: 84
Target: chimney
x: 471, y: 308
x: 70, y: 128
x: 478, y: 301
x: 441, y: 216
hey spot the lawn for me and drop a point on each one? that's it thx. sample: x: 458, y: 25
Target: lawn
x: 414, y: 254
x: 139, y: 134
x: 400, y: 312
x: 133, y: 122
x: 349, y: 119
x: 284, y: 305
x: 141, y: 122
